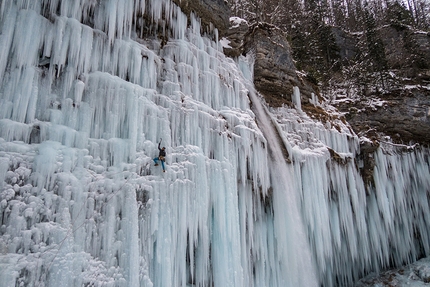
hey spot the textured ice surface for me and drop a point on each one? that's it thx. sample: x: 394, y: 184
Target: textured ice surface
x: 87, y: 92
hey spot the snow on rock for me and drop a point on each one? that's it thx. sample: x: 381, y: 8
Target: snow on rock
x: 414, y: 275
x: 225, y: 43
x: 236, y: 22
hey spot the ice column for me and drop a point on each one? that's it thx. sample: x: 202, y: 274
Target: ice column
x: 296, y: 98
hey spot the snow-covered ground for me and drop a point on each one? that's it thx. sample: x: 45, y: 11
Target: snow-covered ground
x: 413, y: 275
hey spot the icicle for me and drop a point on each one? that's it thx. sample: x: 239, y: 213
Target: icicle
x: 296, y: 98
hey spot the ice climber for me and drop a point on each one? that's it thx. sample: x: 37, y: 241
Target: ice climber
x: 161, y: 156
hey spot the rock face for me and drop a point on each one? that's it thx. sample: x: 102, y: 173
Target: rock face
x: 235, y: 36
x: 406, y: 49
x: 347, y: 43
x: 211, y: 12
x: 275, y: 73
x: 403, y: 114
x: 402, y: 110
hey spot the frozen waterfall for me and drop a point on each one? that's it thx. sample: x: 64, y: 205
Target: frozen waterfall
x: 87, y: 89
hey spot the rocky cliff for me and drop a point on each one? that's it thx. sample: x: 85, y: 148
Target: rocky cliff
x: 275, y: 73
x: 401, y: 108
x: 401, y: 111
x: 402, y: 114
x: 213, y: 13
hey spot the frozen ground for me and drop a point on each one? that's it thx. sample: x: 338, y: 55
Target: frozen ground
x: 413, y: 275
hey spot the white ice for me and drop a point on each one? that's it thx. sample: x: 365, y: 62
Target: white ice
x: 85, y: 95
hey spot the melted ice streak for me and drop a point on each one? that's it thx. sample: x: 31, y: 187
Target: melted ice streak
x: 294, y: 252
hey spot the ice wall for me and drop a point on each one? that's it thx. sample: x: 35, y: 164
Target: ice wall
x: 87, y: 89
x: 84, y: 101
x: 355, y: 229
